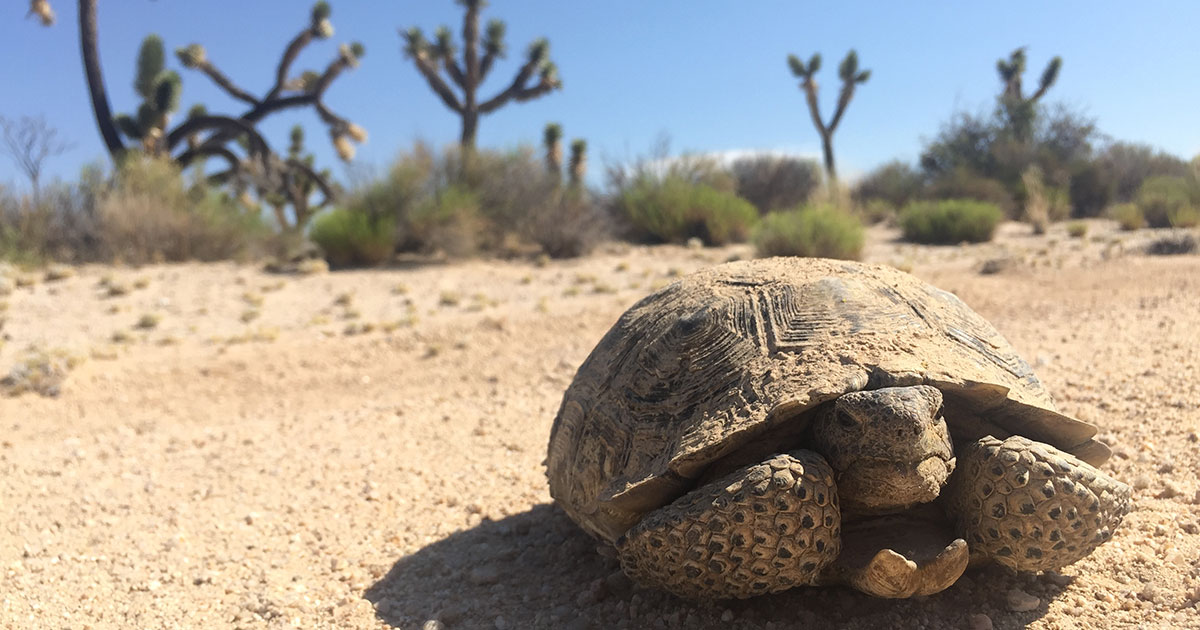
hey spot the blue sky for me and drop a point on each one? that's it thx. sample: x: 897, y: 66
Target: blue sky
x: 710, y: 75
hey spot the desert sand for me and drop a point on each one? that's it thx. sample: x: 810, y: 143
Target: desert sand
x: 231, y: 448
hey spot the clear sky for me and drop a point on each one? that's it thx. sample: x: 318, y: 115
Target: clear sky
x: 709, y: 74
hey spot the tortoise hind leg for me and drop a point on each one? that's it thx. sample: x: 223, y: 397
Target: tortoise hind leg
x: 1031, y: 507
x: 761, y: 529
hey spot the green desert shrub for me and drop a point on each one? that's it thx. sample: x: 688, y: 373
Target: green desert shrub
x: 1128, y: 216
x: 965, y: 184
x: 822, y: 231
x: 151, y: 214
x: 775, y: 182
x: 875, y: 211
x: 569, y: 224
x: 450, y: 222
x: 352, y: 238
x: 674, y: 210
x: 1077, y: 229
x: 949, y: 222
x: 1167, y: 202
x: 896, y: 183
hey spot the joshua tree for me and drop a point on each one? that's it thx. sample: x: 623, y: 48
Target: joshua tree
x: 209, y: 135
x: 552, y: 140
x: 850, y: 75
x: 296, y: 190
x: 1019, y: 112
x: 30, y: 142
x: 578, y: 166
x: 431, y: 58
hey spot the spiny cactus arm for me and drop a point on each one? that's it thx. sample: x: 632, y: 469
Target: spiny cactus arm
x: 1049, y: 75
x: 518, y: 90
x: 417, y: 49
x: 194, y: 56
x: 493, y: 47
x: 151, y: 62
x: 88, y: 38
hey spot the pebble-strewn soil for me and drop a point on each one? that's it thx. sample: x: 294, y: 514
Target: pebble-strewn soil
x: 363, y: 449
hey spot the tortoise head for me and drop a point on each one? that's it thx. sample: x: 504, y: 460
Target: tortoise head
x: 890, y: 447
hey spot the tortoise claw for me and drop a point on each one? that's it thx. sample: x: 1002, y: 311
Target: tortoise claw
x: 898, y: 556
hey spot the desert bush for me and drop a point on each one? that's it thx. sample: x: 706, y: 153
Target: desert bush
x: 875, y: 211
x: 674, y: 210
x: 773, y: 182
x: 1128, y: 216
x: 1090, y: 190
x: 450, y: 222
x: 568, y: 225
x: 896, y: 183
x: 965, y: 184
x: 824, y: 231
x: 352, y: 238
x: 1167, y: 202
x: 949, y: 222
x: 1043, y: 204
x: 1127, y: 165
x: 1172, y: 245
x: 1077, y: 229
x: 150, y: 214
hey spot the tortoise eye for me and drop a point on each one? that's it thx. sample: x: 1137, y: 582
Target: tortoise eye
x: 846, y: 421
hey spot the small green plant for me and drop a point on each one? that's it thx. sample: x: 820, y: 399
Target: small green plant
x: 950, y: 222
x: 450, y: 222
x: 148, y: 321
x: 1128, y: 216
x: 351, y: 238
x: 675, y: 210
x: 1077, y: 229
x: 822, y: 231
x: 1167, y: 202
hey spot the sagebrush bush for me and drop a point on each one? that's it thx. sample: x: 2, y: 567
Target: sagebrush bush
x: 151, y: 215
x: 352, y: 238
x: 1128, y: 216
x: 1168, y: 202
x: 964, y: 184
x: 875, y: 211
x: 570, y: 224
x: 773, y: 182
x: 675, y: 210
x: 450, y: 222
x: 896, y: 183
x: 1077, y: 229
x: 823, y: 231
x: 950, y: 222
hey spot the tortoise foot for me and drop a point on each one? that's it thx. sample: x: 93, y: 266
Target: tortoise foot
x: 899, y: 556
x: 1031, y: 507
x: 761, y: 529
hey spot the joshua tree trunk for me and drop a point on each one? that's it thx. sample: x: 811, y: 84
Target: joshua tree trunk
x: 95, y: 78
x: 851, y: 76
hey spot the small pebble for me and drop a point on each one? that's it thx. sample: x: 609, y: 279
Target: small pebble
x: 1170, y: 490
x: 433, y: 624
x: 980, y: 621
x: 1020, y: 601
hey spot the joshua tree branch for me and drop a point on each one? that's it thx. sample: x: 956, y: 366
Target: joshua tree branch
x: 289, y: 57
x: 514, y: 88
x: 226, y: 84
x: 438, y: 85
x: 88, y: 39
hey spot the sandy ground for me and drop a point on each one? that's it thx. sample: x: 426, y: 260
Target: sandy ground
x: 363, y: 449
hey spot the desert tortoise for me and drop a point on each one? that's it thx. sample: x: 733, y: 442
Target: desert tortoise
x: 767, y: 424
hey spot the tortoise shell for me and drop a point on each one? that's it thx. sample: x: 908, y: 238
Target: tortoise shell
x: 736, y: 354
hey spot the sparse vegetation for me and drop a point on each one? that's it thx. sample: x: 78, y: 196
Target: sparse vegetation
x: 1128, y: 216
x: 673, y: 210
x: 949, y: 222
x: 352, y: 238
x: 1169, y: 202
x: 823, y: 231
x: 1077, y: 229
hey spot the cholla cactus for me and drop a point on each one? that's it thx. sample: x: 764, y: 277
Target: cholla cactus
x: 552, y: 140
x: 1020, y: 111
x: 850, y: 75
x: 536, y: 77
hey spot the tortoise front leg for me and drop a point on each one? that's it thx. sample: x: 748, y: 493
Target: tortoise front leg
x: 761, y: 529
x: 1031, y: 507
